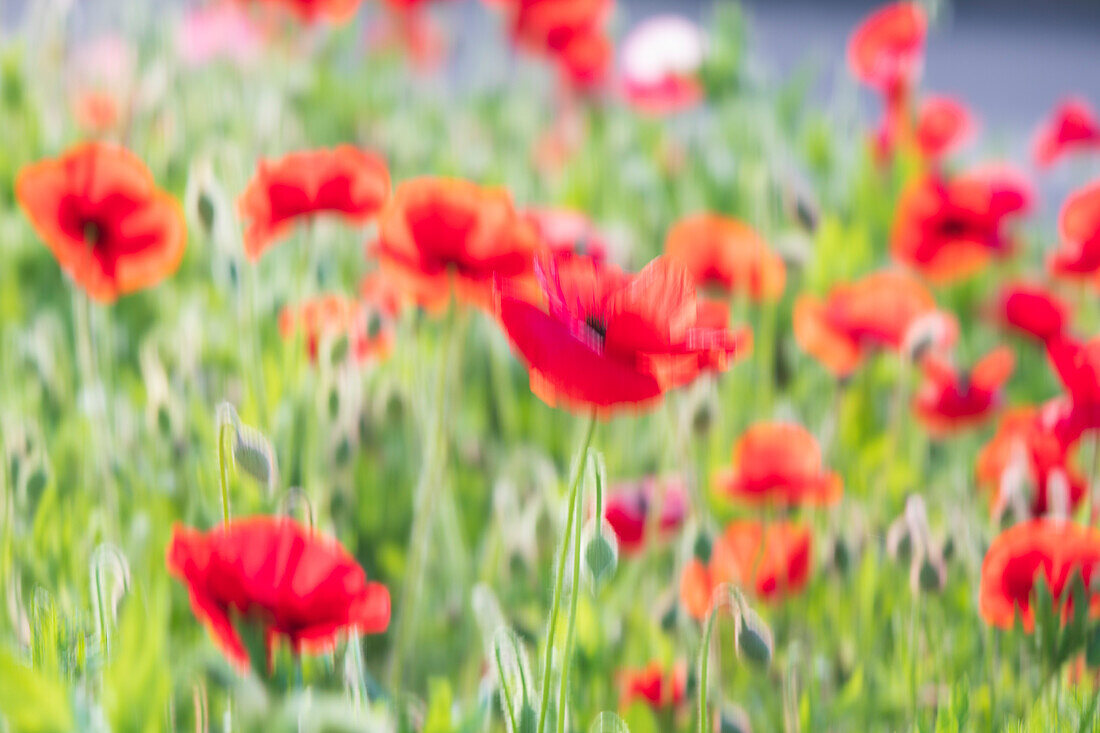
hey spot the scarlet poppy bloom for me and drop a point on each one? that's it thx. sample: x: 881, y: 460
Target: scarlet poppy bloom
x: 607, y: 340
x: 1079, y: 227
x: 1072, y: 127
x: 565, y: 232
x: 880, y: 311
x: 627, y: 509
x: 779, y: 464
x: 101, y: 214
x: 585, y: 59
x: 943, y: 124
x: 660, y: 63
x: 770, y: 560
x: 654, y: 686
x: 345, y: 181
x: 950, y: 399
x: 333, y: 316
x: 437, y: 233
x: 1022, y: 435
x: 949, y: 229
x: 887, y: 48
x: 311, y: 11
x: 276, y: 573
x: 1077, y: 364
x: 1054, y: 548
x: 549, y: 25
x: 1031, y: 310
x: 728, y: 254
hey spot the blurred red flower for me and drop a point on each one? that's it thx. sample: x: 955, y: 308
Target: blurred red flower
x: 273, y: 572
x: 653, y: 685
x: 948, y: 229
x: 660, y: 63
x: 438, y: 233
x: 722, y: 252
x: 96, y: 112
x: 943, y: 124
x: 886, y: 50
x: 883, y: 310
x: 779, y: 464
x: 333, y: 316
x: 100, y: 212
x: 1055, y: 549
x: 950, y: 399
x: 564, y: 232
x: 1071, y: 127
x: 1079, y: 228
x: 569, y: 32
x: 311, y: 11
x: 1031, y: 310
x: 607, y: 340
x: 627, y: 509
x: 344, y: 180
x: 1022, y: 436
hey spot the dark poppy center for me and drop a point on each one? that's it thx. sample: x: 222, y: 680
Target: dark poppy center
x: 95, y: 233
x: 597, y: 324
x: 954, y: 227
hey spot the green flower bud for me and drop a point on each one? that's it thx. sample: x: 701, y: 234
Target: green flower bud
x: 754, y: 638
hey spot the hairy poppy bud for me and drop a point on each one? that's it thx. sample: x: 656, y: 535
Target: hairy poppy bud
x: 601, y: 556
x: 754, y: 638
x: 842, y: 556
x: 928, y: 574
x: 732, y: 719
x: 254, y: 455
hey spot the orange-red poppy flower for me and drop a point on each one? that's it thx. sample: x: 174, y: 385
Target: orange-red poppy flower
x: 382, y: 294
x: 1079, y: 227
x: 880, y: 311
x: 1022, y: 435
x: 274, y: 572
x: 311, y: 11
x: 585, y: 59
x: 101, y: 214
x: 653, y: 685
x: 728, y: 254
x: 779, y: 464
x: 1056, y: 549
x: 950, y: 399
x: 1077, y: 364
x: 948, y: 229
x: 1071, y: 127
x: 334, y: 316
x: 943, y: 124
x: 344, y: 181
x: 549, y: 25
x: 438, y: 233
x: 886, y: 50
x: 96, y: 112
x: 628, y: 506
x: 565, y: 232
x: 608, y: 340
x: 1031, y: 310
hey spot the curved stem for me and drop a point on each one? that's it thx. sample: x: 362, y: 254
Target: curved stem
x: 223, y: 468
x: 506, y: 691
x: 724, y: 596
x: 570, y: 626
x: 544, y: 701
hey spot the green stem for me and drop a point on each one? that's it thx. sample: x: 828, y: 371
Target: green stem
x: 223, y: 467
x: 570, y: 626
x: 704, y: 663
x: 544, y: 702
x: 506, y: 691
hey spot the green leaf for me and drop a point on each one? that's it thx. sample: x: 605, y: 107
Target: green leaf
x: 30, y: 701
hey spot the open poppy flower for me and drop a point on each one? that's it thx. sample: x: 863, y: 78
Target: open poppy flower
x: 943, y: 124
x: 312, y: 11
x: 948, y: 229
x: 1077, y: 365
x: 345, y: 181
x: 274, y: 572
x: 570, y: 32
x: 886, y: 50
x: 1079, y: 227
x: 1072, y: 127
x: 564, y: 232
x: 653, y: 685
x: 584, y: 60
x: 727, y: 254
x: 334, y: 316
x: 1031, y: 310
x: 660, y: 63
x: 1057, y: 549
x: 439, y: 233
x: 950, y: 399
x: 882, y: 310
x: 627, y: 509
x: 608, y: 340
x: 101, y: 214
x: 1023, y: 435
x: 779, y: 464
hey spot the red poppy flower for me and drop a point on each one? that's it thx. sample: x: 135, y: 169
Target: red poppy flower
x: 381, y: 294
x: 440, y: 233
x: 585, y: 59
x: 345, y: 181
x: 608, y: 340
x: 653, y: 686
x: 779, y: 464
x: 549, y: 25
x: 274, y: 572
x: 773, y: 560
x: 883, y: 310
x: 943, y: 124
x: 725, y: 253
x: 1057, y: 549
x: 887, y: 48
x: 949, y: 229
x: 1079, y: 227
x: 96, y: 112
x: 1031, y: 310
x: 332, y: 316
x: 951, y: 400
x: 311, y: 11
x: 101, y: 214
x: 1077, y: 365
x: 627, y: 509
x: 565, y: 232
x: 1022, y: 435
x: 1072, y: 127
